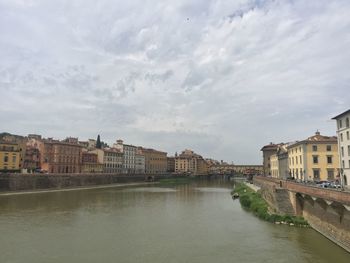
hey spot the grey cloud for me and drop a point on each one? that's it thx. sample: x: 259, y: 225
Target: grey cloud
x: 234, y: 76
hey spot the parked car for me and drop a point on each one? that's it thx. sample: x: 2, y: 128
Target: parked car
x: 323, y: 184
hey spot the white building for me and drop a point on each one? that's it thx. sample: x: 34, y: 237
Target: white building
x: 129, y: 152
x: 343, y: 131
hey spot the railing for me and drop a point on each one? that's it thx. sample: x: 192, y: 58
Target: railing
x: 314, y: 191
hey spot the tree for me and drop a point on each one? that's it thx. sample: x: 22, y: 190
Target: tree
x: 98, y: 142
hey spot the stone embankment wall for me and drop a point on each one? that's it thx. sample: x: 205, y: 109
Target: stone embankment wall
x: 18, y: 182
x: 326, y: 210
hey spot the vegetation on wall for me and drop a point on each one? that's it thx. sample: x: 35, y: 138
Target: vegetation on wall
x: 253, y: 201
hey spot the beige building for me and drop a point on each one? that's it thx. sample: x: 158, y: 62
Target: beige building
x: 343, y: 132
x: 314, y: 159
x: 112, y: 160
x: 268, y: 151
x: 189, y: 162
x: 155, y: 161
x: 274, y: 165
x: 90, y: 163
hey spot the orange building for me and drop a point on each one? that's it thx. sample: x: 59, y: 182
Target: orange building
x: 60, y: 156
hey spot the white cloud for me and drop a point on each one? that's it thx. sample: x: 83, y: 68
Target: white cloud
x: 223, y: 77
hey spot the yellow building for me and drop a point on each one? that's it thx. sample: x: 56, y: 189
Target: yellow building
x: 155, y: 161
x: 314, y: 159
x: 10, y: 157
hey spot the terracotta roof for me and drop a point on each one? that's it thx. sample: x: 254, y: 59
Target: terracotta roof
x: 271, y: 146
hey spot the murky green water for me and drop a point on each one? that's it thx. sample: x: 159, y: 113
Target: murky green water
x: 189, y: 223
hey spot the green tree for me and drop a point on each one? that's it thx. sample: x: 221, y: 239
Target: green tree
x: 98, y: 142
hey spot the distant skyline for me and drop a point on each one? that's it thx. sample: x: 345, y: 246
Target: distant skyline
x: 220, y: 77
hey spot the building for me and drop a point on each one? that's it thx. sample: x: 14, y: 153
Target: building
x: 282, y: 158
x: 274, y: 165
x: 140, y: 166
x: 155, y: 161
x: 279, y: 162
x: 189, y: 162
x: 129, y: 152
x: 59, y: 156
x: 170, y: 164
x: 343, y: 132
x: 10, y: 157
x: 31, y: 159
x: 112, y: 161
x: 90, y: 163
x: 314, y: 159
x: 268, y: 150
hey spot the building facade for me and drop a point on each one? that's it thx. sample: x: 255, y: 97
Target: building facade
x: 190, y: 163
x: 31, y: 159
x: 112, y: 161
x: 59, y: 156
x: 314, y: 159
x: 268, y: 150
x: 10, y: 157
x: 90, y: 163
x: 140, y: 166
x: 155, y: 161
x: 343, y: 134
x: 129, y: 152
x: 274, y: 165
x: 170, y: 164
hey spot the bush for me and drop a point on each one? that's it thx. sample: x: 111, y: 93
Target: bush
x: 254, y: 202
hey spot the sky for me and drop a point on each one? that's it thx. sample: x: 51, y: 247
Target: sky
x: 221, y: 77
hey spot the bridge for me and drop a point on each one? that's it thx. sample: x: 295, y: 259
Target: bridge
x: 326, y: 210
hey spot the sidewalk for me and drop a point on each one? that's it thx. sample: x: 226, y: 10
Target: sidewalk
x: 252, y: 186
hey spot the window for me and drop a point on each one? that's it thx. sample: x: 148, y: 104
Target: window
x: 347, y: 123
x: 315, y: 159
x: 340, y: 123
x: 341, y: 137
x: 314, y: 148
x: 296, y: 159
x: 330, y: 174
x: 343, y: 164
x: 329, y: 148
x: 329, y: 159
x: 6, y: 159
x: 14, y: 158
x: 347, y: 135
x: 316, y: 174
x: 300, y: 160
x: 342, y: 151
x: 348, y: 150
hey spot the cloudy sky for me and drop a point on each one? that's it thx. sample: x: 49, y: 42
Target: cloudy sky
x: 222, y: 77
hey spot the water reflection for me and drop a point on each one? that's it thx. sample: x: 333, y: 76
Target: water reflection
x: 198, y: 222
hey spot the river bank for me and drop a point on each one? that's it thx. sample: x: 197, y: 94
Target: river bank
x: 252, y: 201
x: 77, y: 188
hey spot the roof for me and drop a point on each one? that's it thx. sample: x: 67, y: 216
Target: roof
x: 317, y: 138
x: 341, y: 114
x: 270, y: 147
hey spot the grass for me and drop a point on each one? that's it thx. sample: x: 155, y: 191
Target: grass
x: 253, y: 201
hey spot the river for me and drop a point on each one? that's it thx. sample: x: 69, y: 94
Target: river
x: 197, y: 222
